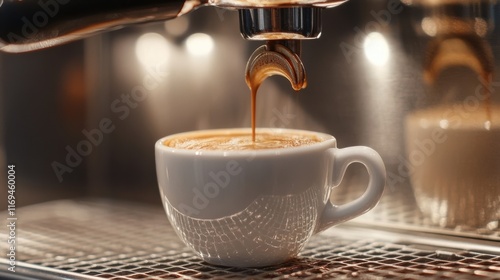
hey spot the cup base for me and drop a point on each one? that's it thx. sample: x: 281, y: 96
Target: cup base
x: 246, y: 262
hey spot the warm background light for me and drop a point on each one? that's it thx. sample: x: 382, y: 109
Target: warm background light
x: 152, y: 49
x: 376, y: 49
x: 199, y: 44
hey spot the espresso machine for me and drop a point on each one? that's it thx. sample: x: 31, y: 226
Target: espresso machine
x: 87, y: 88
x: 29, y: 26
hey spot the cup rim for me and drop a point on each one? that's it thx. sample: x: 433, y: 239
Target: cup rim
x: 328, y: 141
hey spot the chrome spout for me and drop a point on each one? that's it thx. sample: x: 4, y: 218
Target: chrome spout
x: 275, y: 58
x: 281, y: 23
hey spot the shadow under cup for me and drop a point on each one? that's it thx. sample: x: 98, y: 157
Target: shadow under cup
x: 251, y: 208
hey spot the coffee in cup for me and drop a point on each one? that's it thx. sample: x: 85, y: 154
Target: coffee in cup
x: 249, y: 205
x: 242, y: 141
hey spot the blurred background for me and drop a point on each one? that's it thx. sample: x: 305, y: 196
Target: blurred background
x: 140, y: 83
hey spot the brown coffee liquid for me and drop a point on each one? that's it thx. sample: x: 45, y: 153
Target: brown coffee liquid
x: 255, y: 78
x: 488, y: 79
x: 242, y: 141
x: 253, y: 107
x: 254, y: 83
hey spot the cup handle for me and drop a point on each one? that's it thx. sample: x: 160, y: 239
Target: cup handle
x: 342, y: 158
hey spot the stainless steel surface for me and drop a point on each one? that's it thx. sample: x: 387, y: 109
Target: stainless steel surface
x: 103, y: 239
x: 276, y: 3
x: 289, y: 26
x: 275, y: 58
x: 31, y: 25
x: 297, y: 23
x: 398, y: 211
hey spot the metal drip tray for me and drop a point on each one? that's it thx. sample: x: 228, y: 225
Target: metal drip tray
x: 100, y: 239
x: 398, y: 210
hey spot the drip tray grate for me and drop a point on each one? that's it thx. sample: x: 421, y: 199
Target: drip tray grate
x: 398, y: 210
x: 101, y: 239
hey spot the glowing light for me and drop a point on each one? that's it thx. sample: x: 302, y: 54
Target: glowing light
x: 376, y: 49
x: 429, y: 26
x: 199, y: 44
x: 423, y: 123
x: 152, y: 49
x: 487, y: 125
x: 481, y: 27
x: 444, y: 124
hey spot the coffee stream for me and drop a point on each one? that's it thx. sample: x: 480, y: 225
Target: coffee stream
x: 488, y: 79
x: 272, y: 60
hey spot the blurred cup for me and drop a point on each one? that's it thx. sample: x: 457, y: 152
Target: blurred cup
x: 454, y: 158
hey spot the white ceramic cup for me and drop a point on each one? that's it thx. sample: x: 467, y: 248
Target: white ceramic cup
x: 255, y: 208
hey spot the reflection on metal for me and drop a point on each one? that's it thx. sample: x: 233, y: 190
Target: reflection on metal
x: 429, y: 26
x: 457, y: 30
x: 458, y: 17
x: 276, y: 59
x: 458, y: 67
x: 444, y: 2
x: 480, y: 27
x: 434, y: 26
x: 280, y: 23
x: 457, y: 50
